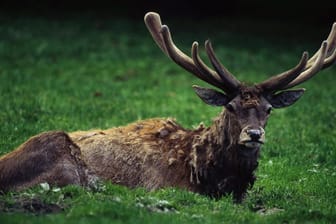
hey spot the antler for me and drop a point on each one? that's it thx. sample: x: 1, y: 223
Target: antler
x: 306, y: 69
x: 220, y: 78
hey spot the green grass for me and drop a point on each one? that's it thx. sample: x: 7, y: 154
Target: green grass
x: 84, y: 73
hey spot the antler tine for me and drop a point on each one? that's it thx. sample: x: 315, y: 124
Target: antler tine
x: 203, y: 67
x: 162, y: 37
x: 331, y: 52
x: 322, y: 59
x: 331, y: 57
x: 311, y: 71
x: 154, y: 25
x: 186, y: 62
x: 277, y: 82
x: 329, y: 60
x: 226, y: 76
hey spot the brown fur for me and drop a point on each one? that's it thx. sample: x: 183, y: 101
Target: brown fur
x: 49, y: 157
x: 154, y: 153
x: 151, y: 153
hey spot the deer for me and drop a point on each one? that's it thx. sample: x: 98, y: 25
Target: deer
x: 217, y: 160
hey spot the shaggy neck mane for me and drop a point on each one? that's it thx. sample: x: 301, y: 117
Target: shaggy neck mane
x: 216, y: 165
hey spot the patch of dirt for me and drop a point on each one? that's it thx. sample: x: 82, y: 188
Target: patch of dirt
x: 29, y: 205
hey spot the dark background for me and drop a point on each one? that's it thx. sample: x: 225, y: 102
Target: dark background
x: 290, y: 10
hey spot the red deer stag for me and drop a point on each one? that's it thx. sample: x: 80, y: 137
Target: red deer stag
x: 155, y: 153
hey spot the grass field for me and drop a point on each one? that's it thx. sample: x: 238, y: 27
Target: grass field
x: 82, y: 73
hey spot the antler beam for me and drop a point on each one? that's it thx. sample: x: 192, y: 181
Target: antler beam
x: 220, y: 78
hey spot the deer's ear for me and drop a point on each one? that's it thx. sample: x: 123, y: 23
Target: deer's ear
x: 211, y: 97
x: 285, y: 98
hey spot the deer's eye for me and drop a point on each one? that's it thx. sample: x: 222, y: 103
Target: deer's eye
x: 229, y: 107
x: 269, y: 109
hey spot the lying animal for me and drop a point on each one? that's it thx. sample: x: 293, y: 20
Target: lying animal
x: 156, y: 153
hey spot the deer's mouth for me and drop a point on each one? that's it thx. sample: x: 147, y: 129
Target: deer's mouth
x: 251, y: 144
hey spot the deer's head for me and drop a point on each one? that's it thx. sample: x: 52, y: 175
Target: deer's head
x: 250, y: 105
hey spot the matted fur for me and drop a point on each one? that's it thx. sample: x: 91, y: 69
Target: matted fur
x: 153, y: 153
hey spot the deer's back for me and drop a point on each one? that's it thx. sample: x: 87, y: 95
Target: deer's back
x: 151, y: 153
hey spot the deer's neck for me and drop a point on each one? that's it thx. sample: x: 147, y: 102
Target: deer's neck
x: 212, y: 146
x: 215, y: 154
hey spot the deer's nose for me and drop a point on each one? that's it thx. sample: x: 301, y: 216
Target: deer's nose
x: 255, y: 134
x: 252, y: 137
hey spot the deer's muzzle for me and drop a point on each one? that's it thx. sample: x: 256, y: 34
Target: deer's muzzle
x: 252, y: 137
